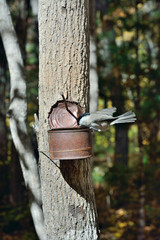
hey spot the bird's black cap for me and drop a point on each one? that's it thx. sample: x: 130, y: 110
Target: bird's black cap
x: 85, y: 114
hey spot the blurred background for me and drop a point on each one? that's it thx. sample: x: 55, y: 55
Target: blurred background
x: 126, y: 162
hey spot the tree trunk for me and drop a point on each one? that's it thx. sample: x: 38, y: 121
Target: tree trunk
x: 16, y: 179
x: 34, y: 6
x: 142, y: 220
x: 93, y: 59
x: 67, y: 191
x: 113, y: 78
x: 3, y: 129
x: 121, y: 148
x: 17, y: 115
x: 121, y: 134
x: 21, y: 25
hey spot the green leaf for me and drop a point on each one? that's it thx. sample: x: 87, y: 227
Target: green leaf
x: 145, y: 160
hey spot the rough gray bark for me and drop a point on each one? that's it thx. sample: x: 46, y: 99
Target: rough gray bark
x: 93, y: 60
x: 17, y: 114
x: 67, y: 193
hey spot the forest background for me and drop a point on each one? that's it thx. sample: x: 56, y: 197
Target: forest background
x: 126, y: 163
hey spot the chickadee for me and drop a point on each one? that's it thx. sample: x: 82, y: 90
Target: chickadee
x: 100, y: 120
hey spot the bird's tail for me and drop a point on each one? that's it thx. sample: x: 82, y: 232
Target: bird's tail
x: 127, y: 117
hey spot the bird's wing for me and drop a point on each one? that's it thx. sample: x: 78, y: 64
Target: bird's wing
x: 108, y: 111
x: 101, y: 115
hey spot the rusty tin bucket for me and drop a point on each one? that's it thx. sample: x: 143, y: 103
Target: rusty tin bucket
x: 70, y: 143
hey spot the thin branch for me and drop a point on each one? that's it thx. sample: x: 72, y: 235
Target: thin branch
x: 50, y: 159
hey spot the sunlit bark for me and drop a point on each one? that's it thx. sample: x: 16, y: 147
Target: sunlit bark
x: 67, y: 191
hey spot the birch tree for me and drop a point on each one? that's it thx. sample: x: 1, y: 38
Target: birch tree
x: 17, y: 117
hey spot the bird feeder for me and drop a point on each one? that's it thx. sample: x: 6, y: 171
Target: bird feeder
x: 66, y: 139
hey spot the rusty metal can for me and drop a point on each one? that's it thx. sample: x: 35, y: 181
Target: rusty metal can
x: 70, y: 143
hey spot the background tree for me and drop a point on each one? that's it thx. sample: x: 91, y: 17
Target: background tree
x: 93, y: 76
x: 17, y: 115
